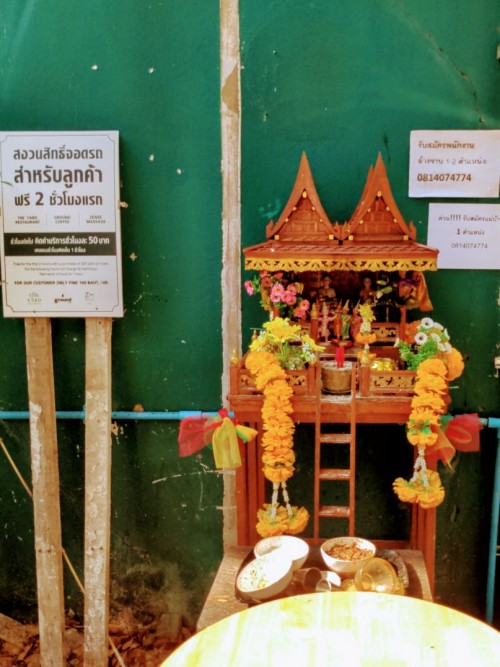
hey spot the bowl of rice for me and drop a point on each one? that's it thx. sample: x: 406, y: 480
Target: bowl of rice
x: 264, y: 578
x: 345, y: 555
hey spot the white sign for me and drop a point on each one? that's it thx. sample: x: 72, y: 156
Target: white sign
x: 454, y: 163
x: 60, y: 219
x: 467, y: 235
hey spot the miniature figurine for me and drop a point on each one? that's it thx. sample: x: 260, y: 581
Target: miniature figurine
x: 367, y: 294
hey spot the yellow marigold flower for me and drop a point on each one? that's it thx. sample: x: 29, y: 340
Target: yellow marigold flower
x: 423, y: 416
x: 428, y: 400
x: 405, y: 491
x: 298, y: 521
x: 257, y: 360
x: 278, y: 474
x: 276, y: 414
x: 421, y: 439
x: 279, y: 389
x: 283, y: 427
x: 280, y: 437
x: 366, y: 338
x: 432, y: 366
x: 276, y: 408
x: 275, y: 440
x: 429, y: 382
x: 455, y: 364
x: 268, y: 526
x: 416, y: 492
x: 432, y: 495
x: 278, y: 456
x: 268, y: 375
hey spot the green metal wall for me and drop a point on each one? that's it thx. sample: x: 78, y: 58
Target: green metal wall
x: 341, y: 80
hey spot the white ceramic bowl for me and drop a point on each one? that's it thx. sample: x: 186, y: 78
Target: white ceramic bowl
x: 288, y: 546
x: 345, y: 555
x: 264, y: 577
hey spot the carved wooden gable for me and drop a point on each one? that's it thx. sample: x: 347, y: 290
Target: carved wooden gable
x: 376, y: 237
x: 303, y: 219
x: 377, y: 216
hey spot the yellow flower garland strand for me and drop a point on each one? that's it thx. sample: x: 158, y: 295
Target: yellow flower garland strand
x: 428, y: 404
x: 278, y: 457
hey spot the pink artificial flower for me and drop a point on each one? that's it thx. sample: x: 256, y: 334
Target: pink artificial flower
x: 278, y: 275
x: 299, y: 313
x: 265, y: 279
x: 277, y: 292
x: 291, y: 288
x: 248, y: 285
x: 289, y: 298
x: 304, y: 304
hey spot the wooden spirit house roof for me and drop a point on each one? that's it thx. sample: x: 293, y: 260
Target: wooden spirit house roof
x: 375, y: 238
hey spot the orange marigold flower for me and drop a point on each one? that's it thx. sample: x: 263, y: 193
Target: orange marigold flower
x: 421, y: 439
x: 298, y: 521
x: 432, y: 495
x: 428, y: 400
x: 267, y: 526
x: 429, y: 382
x: 423, y: 416
x: 268, y: 376
x: 405, y: 491
x: 279, y: 389
x: 432, y: 366
x: 416, y: 491
x: 275, y: 440
x: 278, y: 456
x: 455, y: 364
x: 278, y: 433
x: 278, y: 474
x: 276, y: 413
x: 255, y: 361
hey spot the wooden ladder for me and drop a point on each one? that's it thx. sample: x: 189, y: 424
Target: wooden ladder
x: 323, y: 475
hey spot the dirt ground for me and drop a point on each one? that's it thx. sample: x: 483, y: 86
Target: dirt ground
x: 139, y: 645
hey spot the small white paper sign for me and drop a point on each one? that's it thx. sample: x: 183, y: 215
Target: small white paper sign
x: 454, y: 163
x: 467, y: 235
x: 60, y: 224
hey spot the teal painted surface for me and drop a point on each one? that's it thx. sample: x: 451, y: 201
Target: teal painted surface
x: 341, y: 80
x: 150, y: 70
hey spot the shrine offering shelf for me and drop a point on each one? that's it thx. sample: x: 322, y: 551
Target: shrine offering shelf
x: 221, y: 600
x: 373, y: 409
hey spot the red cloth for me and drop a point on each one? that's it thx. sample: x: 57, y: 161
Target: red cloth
x: 461, y: 433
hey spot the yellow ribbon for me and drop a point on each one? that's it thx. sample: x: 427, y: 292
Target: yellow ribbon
x: 225, y: 443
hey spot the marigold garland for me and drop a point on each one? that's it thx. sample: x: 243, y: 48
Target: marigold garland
x: 436, y: 363
x: 278, y: 458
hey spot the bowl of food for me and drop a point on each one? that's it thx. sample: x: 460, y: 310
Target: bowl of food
x: 288, y: 546
x: 345, y: 555
x: 264, y: 578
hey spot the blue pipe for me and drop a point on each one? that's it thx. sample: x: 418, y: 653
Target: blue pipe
x: 493, y: 422
x: 131, y: 415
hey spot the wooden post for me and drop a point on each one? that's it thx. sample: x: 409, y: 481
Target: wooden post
x: 45, y: 485
x: 97, y: 489
x: 230, y: 95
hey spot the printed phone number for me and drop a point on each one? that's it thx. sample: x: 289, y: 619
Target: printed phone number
x: 456, y: 177
x: 470, y: 246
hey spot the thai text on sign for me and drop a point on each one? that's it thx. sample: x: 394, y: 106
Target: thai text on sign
x: 454, y: 163
x: 60, y: 216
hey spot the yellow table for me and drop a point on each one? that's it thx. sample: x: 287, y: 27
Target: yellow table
x: 345, y: 629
